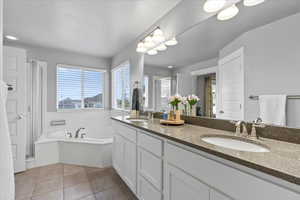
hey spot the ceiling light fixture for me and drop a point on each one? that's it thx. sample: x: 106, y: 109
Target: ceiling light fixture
x: 252, y: 2
x: 171, y: 42
x: 170, y: 67
x: 213, y: 5
x: 228, y: 13
x: 149, y: 42
x: 10, y: 37
x: 158, y: 36
x: 152, y: 52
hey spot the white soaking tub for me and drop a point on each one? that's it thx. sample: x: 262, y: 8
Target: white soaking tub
x: 57, y: 148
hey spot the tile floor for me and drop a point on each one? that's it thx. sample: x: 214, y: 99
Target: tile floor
x: 71, y: 182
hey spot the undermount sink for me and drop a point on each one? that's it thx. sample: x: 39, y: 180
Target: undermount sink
x: 137, y: 119
x: 235, y: 143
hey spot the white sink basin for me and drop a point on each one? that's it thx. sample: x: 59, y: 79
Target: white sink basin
x: 235, y: 143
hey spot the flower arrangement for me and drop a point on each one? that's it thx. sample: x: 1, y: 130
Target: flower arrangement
x: 175, y: 101
x: 192, y: 100
x: 184, y: 102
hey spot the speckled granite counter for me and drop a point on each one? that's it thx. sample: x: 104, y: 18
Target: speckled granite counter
x: 283, y: 160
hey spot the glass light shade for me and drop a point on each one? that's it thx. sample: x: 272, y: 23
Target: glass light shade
x: 158, y: 38
x: 213, y: 5
x: 158, y: 32
x: 171, y: 42
x: 228, y: 13
x: 252, y: 2
x: 152, y: 52
x: 141, y: 48
x: 10, y: 37
x: 149, y: 42
x: 161, y: 47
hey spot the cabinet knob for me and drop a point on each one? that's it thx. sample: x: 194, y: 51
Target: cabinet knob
x: 221, y: 111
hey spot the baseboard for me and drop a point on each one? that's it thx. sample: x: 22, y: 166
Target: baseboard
x: 30, y: 163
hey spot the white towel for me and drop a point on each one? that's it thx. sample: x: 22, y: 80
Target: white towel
x: 7, y: 183
x: 273, y: 109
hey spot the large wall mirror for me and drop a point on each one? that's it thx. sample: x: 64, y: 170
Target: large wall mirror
x: 241, y: 68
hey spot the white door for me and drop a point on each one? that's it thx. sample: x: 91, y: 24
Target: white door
x: 130, y: 165
x: 230, y: 104
x: 14, y: 64
x: 180, y: 186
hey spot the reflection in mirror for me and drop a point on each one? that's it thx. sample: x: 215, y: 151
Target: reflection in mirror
x: 241, y: 69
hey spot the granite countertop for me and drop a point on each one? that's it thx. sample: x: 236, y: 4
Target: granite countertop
x: 283, y: 160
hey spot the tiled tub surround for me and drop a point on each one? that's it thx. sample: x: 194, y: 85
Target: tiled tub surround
x: 283, y: 160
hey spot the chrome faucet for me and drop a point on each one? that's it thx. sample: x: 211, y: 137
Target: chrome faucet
x: 258, y: 123
x: 77, y: 132
x: 238, y: 125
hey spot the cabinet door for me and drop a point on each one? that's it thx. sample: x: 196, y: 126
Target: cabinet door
x: 146, y: 191
x: 180, y: 185
x: 118, y: 153
x: 130, y: 164
x: 214, y: 195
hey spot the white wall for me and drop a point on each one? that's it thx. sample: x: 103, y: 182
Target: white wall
x: 97, y: 123
x: 272, y: 63
x: 54, y: 57
x: 1, y: 38
x: 187, y: 84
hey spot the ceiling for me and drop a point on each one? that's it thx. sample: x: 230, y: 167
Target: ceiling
x: 203, y: 41
x: 95, y: 27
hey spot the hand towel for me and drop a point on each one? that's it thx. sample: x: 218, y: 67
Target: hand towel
x: 7, y: 183
x: 273, y: 109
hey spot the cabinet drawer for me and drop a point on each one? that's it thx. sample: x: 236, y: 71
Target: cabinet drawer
x: 146, y: 191
x: 151, y: 144
x: 125, y: 131
x: 150, y: 167
x: 217, y: 174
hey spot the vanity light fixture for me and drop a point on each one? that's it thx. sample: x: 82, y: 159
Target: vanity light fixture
x: 152, y: 52
x: 171, y: 42
x: 141, y: 47
x: 249, y: 3
x: 158, y: 36
x: 228, y: 13
x: 161, y: 47
x: 213, y: 5
x: 10, y: 37
x: 149, y: 42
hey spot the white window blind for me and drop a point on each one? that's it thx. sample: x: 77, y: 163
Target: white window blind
x: 79, y: 88
x: 121, y: 87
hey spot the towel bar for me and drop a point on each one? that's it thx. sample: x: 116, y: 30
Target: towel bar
x: 289, y: 97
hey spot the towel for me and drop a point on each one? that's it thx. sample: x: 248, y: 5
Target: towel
x: 7, y: 183
x: 273, y: 109
x: 135, y: 99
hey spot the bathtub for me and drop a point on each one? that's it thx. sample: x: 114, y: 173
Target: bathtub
x: 55, y: 147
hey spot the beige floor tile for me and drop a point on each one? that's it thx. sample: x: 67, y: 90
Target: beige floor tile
x: 72, y: 169
x: 75, y: 179
x: 90, y: 197
x: 48, y: 173
x: 55, y: 195
x: 24, y: 188
x: 77, y: 192
x: 49, y: 185
x: 93, y: 169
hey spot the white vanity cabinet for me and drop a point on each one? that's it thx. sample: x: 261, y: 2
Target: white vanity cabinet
x: 156, y: 168
x: 125, y: 154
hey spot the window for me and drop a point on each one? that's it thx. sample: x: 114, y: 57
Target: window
x: 121, y: 87
x: 165, y: 92
x: 79, y: 88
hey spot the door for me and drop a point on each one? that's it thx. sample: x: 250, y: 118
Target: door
x: 180, y: 185
x: 231, y: 87
x: 14, y: 64
x: 130, y: 164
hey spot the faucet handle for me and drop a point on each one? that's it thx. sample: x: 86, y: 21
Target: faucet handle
x: 69, y: 134
x: 82, y: 135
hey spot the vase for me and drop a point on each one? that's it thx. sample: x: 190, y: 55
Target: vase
x: 172, y: 115
x: 177, y: 115
x: 192, y: 110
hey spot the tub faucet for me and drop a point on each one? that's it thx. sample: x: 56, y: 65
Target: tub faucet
x: 77, y: 132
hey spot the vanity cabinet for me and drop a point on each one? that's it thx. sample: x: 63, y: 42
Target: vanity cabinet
x: 156, y: 168
x: 125, y: 154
